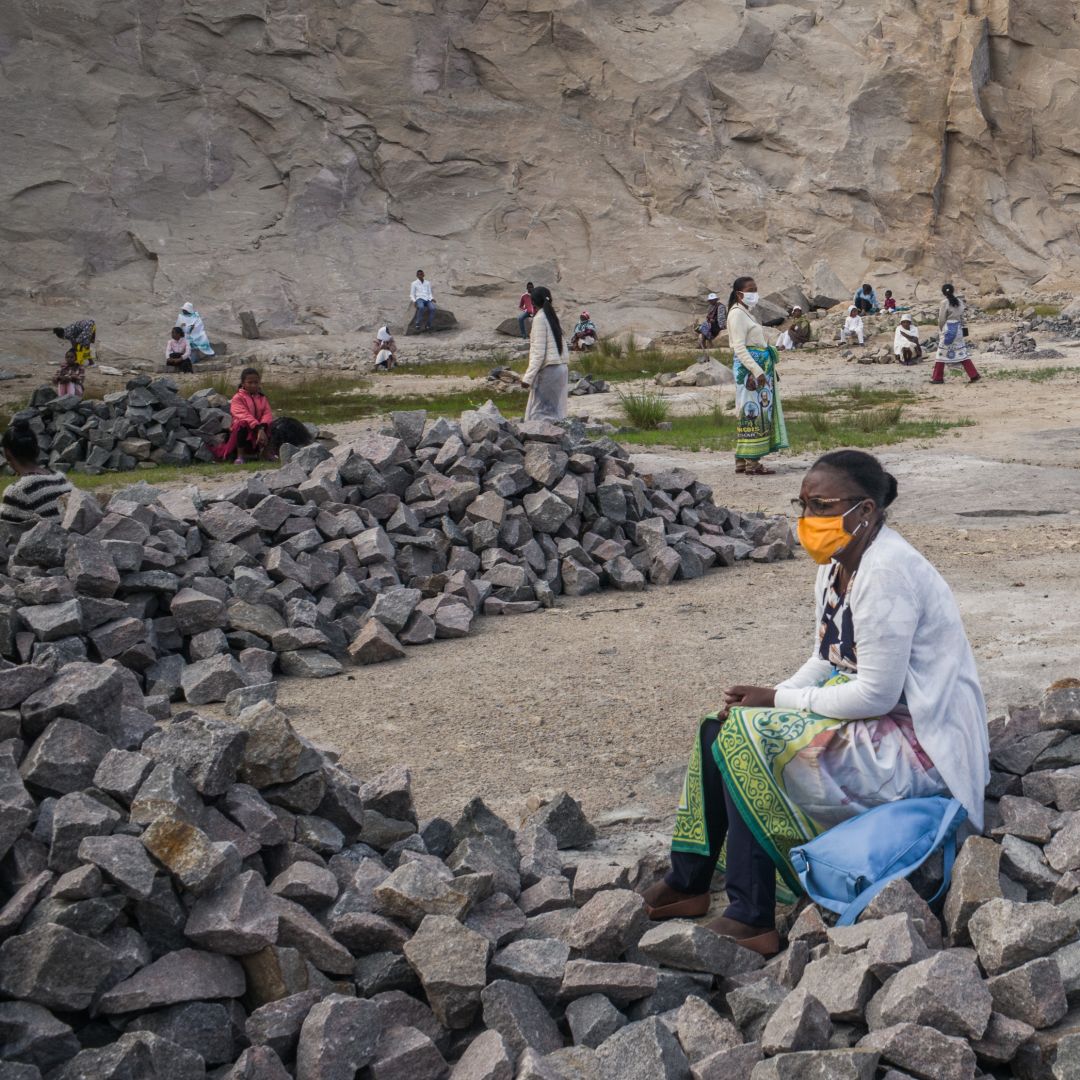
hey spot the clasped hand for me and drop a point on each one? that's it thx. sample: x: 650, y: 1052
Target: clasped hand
x: 755, y: 697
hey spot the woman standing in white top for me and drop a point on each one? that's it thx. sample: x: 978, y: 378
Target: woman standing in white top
x: 952, y: 344
x: 887, y: 707
x: 759, y: 416
x: 547, y: 376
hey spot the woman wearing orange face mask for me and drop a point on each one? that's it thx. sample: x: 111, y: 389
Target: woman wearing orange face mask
x: 887, y: 707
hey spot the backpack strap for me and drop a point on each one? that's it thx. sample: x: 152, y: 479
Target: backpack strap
x: 945, y: 837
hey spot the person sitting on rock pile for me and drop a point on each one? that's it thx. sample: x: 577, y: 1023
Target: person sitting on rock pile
x: 853, y: 328
x: 584, y: 337
x: 906, y: 345
x: 191, y: 322
x: 890, y: 301
x: 249, y: 435
x: 866, y: 300
x: 69, y: 379
x: 798, y: 333
x: 35, y: 495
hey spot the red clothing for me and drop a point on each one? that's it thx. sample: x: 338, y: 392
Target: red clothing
x: 249, y: 412
x: 525, y: 304
x: 890, y: 304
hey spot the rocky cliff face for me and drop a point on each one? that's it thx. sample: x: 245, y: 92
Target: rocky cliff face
x: 302, y: 157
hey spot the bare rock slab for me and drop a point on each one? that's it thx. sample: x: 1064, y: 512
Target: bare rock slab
x: 451, y: 962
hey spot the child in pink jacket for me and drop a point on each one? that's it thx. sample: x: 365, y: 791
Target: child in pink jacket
x: 250, y: 432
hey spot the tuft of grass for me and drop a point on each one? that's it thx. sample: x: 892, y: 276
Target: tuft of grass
x: 1039, y: 374
x: 315, y: 399
x: 1047, y: 311
x: 1000, y: 304
x: 644, y: 409
x: 878, y: 420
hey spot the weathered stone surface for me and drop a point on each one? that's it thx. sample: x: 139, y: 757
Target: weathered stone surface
x: 1003, y: 1037
x: 374, y: 644
x: 451, y: 962
x: 843, y: 984
x: 54, y: 967
x: 206, y: 1028
x: 486, y: 1058
x: 516, y: 1013
x: 622, y: 983
x: 974, y: 881
x: 64, y: 757
x: 206, y: 750
x: 565, y: 820
x: 135, y: 1053
x: 646, y: 1050
x: 701, y: 1031
x: 1006, y: 933
x: 800, y: 1023
x: 737, y: 1063
x: 592, y: 1019
x: 608, y: 924
x: 1032, y: 992
x: 199, y: 863
x: 405, y: 1053
x: 31, y: 1035
x: 416, y: 889
x: 212, y: 679
x: 922, y: 1052
x: 337, y: 1039
x: 123, y: 861
x: 539, y: 965
x: 257, y: 1063
x: 944, y: 992
x: 238, y: 918
x: 819, y: 1065
x: 274, y: 754
x: 691, y: 947
x: 184, y: 975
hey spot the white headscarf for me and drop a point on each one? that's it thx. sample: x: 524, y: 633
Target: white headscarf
x: 189, y: 307
x: 384, y: 334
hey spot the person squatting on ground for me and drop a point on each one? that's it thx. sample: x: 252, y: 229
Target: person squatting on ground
x: 35, y: 495
x: 906, y: 346
x: 798, y: 333
x: 546, y: 376
x: 526, y: 309
x: 81, y: 336
x: 249, y: 435
x: 178, y: 351
x: 888, y: 707
x: 422, y: 298
x: 68, y: 380
x: 584, y: 334
x: 190, y: 321
x: 760, y: 427
x: 952, y: 342
x: 866, y: 300
x: 853, y: 328
x: 715, y: 320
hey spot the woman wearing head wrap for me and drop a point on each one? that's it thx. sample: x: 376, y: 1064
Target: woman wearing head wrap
x: 952, y: 344
x: 81, y: 335
x: 906, y: 346
x: 584, y: 334
x: 546, y: 376
x: 760, y: 427
x: 190, y: 321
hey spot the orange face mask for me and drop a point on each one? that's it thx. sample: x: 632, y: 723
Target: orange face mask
x: 824, y: 537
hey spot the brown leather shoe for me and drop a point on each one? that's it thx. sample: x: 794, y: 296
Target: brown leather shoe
x: 664, y: 902
x: 759, y: 939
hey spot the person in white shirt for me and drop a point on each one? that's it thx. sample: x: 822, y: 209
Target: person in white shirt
x: 853, y: 327
x: 384, y: 342
x: 905, y: 344
x: 547, y: 376
x: 888, y: 707
x: 424, y: 301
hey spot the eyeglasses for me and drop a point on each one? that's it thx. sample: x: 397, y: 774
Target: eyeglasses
x: 820, y: 507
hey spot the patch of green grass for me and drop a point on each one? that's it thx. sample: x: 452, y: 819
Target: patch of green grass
x: 510, y: 405
x: 459, y: 369
x: 1039, y: 374
x: 853, y: 418
x: 616, y: 362
x: 155, y: 476
x: 1047, y: 311
x: 644, y: 409
x: 316, y: 399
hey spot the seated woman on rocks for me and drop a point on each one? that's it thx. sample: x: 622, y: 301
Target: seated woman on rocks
x: 35, y: 494
x: 249, y: 435
x: 887, y: 707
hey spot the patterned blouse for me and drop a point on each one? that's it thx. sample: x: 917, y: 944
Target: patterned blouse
x: 836, y: 634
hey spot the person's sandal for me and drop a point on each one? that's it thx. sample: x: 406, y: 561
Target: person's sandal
x: 664, y: 902
x: 755, y: 468
x: 740, y: 465
x: 763, y: 940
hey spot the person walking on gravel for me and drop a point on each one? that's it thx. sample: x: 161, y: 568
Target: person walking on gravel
x: 952, y: 342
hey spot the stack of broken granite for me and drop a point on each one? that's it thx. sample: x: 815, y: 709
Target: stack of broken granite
x: 183, y: 897
x: 148, y: 423
x: 348, y: 557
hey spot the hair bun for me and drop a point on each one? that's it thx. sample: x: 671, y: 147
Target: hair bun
x: 891, y: 489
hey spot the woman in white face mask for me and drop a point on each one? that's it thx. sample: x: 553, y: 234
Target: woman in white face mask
x: 759, y: 416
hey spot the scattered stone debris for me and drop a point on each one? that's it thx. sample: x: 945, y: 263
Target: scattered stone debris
x: 705, y: 372
x: 504, y: 379
x: 350, y: 557
x: 189, y: 897
x: 148, y: 423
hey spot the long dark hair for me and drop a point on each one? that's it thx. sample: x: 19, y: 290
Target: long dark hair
x: 950, y: 294
x: 865, y: 472
x: 541, y: 298
x: 738, y: 287
x: 245, y: 373
x: 21, y: 442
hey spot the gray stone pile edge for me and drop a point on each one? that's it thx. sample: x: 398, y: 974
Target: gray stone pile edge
x: 184, y: 897
x: 356, y: 555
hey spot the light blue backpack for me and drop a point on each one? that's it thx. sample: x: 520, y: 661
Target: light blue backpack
x: 845, y: 868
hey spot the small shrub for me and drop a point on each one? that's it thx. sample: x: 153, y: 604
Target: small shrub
x: 1047, y: 311
x: 878, y: 419
x: 643, y: 409
x: 1001, y: 303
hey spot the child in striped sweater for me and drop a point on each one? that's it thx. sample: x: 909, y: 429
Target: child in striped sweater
x: 35, y: 495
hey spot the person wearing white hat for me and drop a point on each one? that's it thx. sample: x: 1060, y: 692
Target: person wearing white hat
x: 714, y: 321
x: 798, y: 333
x: 906, y: 346
x: 190, y: 321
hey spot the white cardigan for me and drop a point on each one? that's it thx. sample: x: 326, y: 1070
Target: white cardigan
x: 910, y: 642
x: 542, y: 350
x: 743, y: 330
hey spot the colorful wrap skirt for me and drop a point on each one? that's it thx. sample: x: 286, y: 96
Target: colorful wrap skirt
x: 793, y: 775
x: 952, y: 345
x: 760, y: 427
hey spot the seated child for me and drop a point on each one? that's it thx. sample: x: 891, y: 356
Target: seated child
x: 178, y: 351
x: 69, y: 379
x: 890, y: 301
x: 251, y: 419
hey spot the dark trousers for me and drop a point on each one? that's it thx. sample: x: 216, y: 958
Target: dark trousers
x: 751, y: 875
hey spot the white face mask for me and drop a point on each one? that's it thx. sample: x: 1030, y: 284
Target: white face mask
x: 749, y: 298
